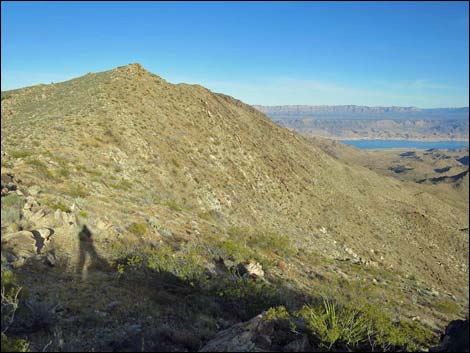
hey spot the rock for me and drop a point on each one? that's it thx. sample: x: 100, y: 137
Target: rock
x: 18, y: 263
x: 51, y: 259
x: 44, y: 233
x: 239, y: 338
x: 181, y: 338
x: 30, y: 203
x: 251, y: 269
x: 300, y: 345
x: 282, y: 265
x: 20, y: 244
x: 258, y: 335
x: 34, y: 190
x: 4, y: 191
x: 455, y: 338
x: 62, y: 219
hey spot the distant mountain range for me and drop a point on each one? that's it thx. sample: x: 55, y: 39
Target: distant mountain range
x: 362, y: 112
x: 362, y: 122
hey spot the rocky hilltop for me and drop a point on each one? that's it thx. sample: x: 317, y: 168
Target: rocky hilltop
x: 122, y: 184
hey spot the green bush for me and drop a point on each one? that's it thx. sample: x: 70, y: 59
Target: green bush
x: 172, y: 205
x: 277, y: 313
x: 10, y: 215
x: 331, y: 324
x: 10, y: 302
x: 57, y: 205
x: 236, y: 250
x: 447, y: 306
x: 12, y: 200
x: 14, y: 345
x: 41, y: 167
x: 138, y: 229
x: 391, y: 334
x: 184, y: 264
x: 271, y: 241
x: 77, y: 191
x: 12, y: 205
x: 21, y: 153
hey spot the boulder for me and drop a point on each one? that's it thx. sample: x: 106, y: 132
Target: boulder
x: 455, y: 338
x: 258, y: 335
x: 34, y: 190
x: 51, y: 259
x: 30, y: 204
x: 239, y: 338
x: 44, y: 233
x: 20, y: 245
x: 251, y: 269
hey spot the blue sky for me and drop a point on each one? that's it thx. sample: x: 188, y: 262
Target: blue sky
x: 272, y: 53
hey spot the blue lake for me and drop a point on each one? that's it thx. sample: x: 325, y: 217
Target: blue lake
x: 386, y: 144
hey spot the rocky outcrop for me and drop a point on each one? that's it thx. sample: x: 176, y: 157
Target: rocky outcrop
x: 24, y: 245
x: 258, y: 335
x: 455, y: 338
x: 251, y: 269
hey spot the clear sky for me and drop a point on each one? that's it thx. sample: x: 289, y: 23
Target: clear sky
x: 272, y: 53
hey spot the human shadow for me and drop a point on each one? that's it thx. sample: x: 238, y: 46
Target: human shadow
x: 87, y: 250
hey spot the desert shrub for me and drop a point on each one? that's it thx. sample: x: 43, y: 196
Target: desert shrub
x: 77, y: 191
x: 138, y: 229
x: 159, y: 228
x: 204, y: 215
x: 246, y: 297
x: 12, y: 205
x: 277, y: 313
x: 13, y: 345
x: 20, y: 153
x: 172, y: 205
x: 389, y: 334
x: 41, y: 167
x: 38, y: 314
x: 10, y: 215
x: 57, y: 205
x: 271, y: 241
x: 266, y: 241
x: 122, y: 185
x: 80, y: 202
x: 10, y: 292
x: 185, y: 264
x: 12, y: 200
x: 63, y: 172
x: 235, y: 249
x: 36, y: 163
x: 447, y: 306
x: 330, y: 324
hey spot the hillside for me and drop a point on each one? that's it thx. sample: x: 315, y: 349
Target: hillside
x: 170, y: 181
x: 443, y: 173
